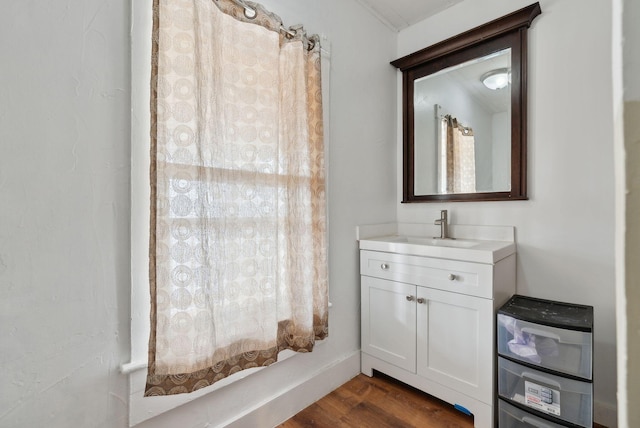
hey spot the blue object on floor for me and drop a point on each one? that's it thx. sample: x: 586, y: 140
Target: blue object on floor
x: 462, y: 409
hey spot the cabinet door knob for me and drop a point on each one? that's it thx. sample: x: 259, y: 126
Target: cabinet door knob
x: 452, y: 277
x: 421, y: 300
x: 410, y: 298
x: 384, y: 266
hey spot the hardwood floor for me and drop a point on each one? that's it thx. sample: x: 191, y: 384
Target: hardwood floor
x: 379, y: 402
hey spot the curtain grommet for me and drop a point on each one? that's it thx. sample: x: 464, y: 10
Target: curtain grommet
x: 250, y: 13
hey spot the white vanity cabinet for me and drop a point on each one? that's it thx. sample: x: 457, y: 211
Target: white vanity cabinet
x: 454, y: 341
x: 389, y: 321
x: 430, y: 322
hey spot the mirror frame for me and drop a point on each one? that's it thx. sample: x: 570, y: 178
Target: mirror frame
x: 509, y: 31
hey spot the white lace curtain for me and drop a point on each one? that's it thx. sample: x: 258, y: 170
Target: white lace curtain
x: 238, y: 242
x: 458, y: 159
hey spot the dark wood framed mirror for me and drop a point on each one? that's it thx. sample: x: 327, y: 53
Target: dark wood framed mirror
x: 465, y: 114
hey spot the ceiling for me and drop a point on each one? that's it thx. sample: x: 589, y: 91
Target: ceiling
x: 399, y: 14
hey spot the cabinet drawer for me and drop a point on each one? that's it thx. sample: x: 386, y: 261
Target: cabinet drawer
x: 513, y: 417
x: 474, y: 279
x: 566, y: 399
x: 559, y: 349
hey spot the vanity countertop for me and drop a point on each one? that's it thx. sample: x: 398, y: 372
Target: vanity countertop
x: 471, y: 250
x: 480, y: 244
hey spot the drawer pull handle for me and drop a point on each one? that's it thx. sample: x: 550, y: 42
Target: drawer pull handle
x: 384, y: 266
x: 536, y: 332
x: 421, y: 300
x: 542, y: 379
x: 452, y: 277
x: 410, y: 298
x: 534, y: 422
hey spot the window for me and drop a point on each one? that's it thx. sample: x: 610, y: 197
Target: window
x: 139, y: 408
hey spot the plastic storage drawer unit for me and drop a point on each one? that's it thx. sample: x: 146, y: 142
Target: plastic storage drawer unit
x: 551, y: 335
x: 566, y: 399
x: 512, y: 417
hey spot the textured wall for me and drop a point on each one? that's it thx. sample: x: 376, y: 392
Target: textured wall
x: 64, y: 206
x: 64, y: 216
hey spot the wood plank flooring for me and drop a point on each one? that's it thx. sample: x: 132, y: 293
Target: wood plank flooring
x: 379, y: 402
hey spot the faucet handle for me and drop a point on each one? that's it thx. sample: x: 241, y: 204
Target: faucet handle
x: 442, y: 222
x: 442, y: 219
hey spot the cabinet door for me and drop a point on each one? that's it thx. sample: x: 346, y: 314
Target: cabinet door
x: 455, y: 341
x: 389, y: 321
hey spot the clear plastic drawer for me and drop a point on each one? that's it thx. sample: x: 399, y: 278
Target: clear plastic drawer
x: 513, y: 417
x: 566, y: 399
x: 563, y: 350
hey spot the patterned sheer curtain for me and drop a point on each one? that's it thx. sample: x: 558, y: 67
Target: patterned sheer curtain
x: 238, y: 262
x: 458, y: 160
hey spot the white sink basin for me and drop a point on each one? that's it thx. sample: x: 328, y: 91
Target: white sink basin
x: 437, y: 242
x: 471, y: 250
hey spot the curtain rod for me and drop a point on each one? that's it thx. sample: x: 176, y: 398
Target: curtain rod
x: 251, y: 13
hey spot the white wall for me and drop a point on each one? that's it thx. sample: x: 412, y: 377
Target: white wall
x: 565, y: 231
x: 64, y: 216
x: 501, y: 178
x: 64, y: 222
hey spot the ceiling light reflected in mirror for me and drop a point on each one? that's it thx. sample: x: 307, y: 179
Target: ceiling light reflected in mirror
x: 496, y: 79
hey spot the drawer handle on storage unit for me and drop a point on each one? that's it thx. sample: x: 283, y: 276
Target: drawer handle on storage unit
x: 410, y: 298
x: 384, y: 266
x: 534, y: 422
x: 452, y: 277
x: 421, y: 300
x: 541, y: 333
x: 542, y: 379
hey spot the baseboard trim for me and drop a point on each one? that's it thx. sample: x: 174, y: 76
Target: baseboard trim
x: 279, y: 408
x: 605, y: 414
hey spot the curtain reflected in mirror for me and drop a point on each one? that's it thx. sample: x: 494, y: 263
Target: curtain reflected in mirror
x: 457, y: 159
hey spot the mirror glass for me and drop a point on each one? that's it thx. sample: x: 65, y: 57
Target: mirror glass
x: 462, y: 128
x: 464, y: 114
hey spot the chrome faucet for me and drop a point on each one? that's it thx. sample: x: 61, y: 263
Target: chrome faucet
x: 444, y: 226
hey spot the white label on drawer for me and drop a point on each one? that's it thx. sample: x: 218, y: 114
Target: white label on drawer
x: 542, y: 398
